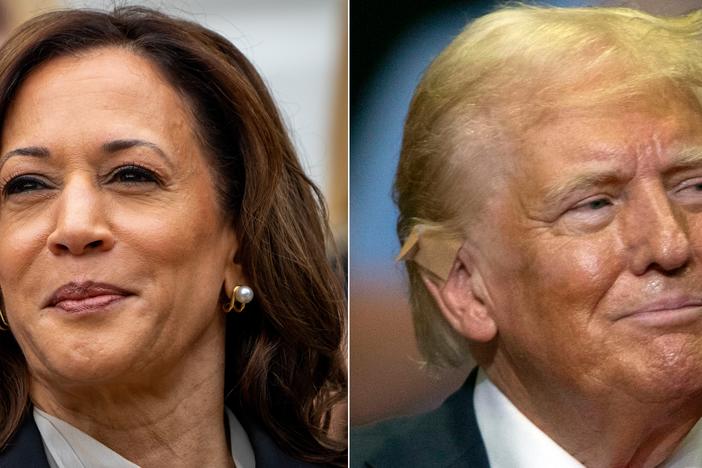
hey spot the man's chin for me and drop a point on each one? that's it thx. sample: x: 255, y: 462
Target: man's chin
x: 669, y: 376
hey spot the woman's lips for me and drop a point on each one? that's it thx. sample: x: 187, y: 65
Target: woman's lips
x: 90, y: 303
x: 86, y: 296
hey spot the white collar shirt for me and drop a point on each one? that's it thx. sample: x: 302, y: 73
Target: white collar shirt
x: 513, y: 441
x: 68, y: 447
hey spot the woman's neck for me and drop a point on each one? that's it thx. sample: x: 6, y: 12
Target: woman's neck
x: 172, y: 417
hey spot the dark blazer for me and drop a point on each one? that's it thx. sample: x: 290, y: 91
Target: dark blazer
x: 446, y: 437
x: 26, y: 450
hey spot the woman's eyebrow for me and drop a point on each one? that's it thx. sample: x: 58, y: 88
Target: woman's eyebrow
x: 34, y: 151
x: 110, y: 147
x: 116, y: 146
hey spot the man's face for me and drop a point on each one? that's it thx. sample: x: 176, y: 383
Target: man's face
x: 592, y: 255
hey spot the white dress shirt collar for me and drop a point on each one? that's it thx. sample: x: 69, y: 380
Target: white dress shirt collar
x: 68, y: 447
x: 512, y: 440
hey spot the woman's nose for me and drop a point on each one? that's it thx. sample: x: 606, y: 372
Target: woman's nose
x: 81, y: 221
x: 658, y: 233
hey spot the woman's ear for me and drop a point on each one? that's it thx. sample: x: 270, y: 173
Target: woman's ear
x: 233, y: 272
x: 462, y: 299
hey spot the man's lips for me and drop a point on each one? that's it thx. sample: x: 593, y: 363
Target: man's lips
x: 670, y: 310
x: 82, y: 296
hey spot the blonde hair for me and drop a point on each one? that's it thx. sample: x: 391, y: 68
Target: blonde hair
x: 505, y: 72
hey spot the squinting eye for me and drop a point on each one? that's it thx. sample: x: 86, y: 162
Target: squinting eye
x: 23, y: 183
x: 596, y: 204
x: 689, y: 191
x: 589, y: 215
x: 133, y: 175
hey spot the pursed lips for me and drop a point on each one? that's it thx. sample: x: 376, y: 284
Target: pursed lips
x: 670, y: 310
x: 85, y: 295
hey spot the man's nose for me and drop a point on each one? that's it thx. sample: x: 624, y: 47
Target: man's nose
x: 657, y: 231
x: 81, y: 223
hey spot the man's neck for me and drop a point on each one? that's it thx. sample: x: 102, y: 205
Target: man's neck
x: 602, y: 428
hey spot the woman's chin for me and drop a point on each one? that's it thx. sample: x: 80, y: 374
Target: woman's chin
x: 87, y: 366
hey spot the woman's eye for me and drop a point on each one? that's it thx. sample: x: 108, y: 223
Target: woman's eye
x: 133, y: 175
x: 22, y: 184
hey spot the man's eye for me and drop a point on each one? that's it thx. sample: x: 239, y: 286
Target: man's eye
x: 598, y: 204
x: 595, y: 204
x: 689, y: 191
x: 133, y: 175
x: 589, y: 215
x: 22, y: 184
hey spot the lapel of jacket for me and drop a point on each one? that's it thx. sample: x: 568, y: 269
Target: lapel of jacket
x: 26, y: 449
x: 446, y: 437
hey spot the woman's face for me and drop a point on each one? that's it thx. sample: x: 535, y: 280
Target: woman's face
x: 113, y: 249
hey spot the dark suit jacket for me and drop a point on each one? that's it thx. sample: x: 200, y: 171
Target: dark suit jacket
x: 26, y: 450
x: 446, y: 437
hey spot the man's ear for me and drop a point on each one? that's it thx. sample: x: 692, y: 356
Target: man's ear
x: 462, y: 299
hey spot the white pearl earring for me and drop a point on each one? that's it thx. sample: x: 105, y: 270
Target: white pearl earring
x: 241, y: 295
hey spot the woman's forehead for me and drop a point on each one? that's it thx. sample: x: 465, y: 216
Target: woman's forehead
x: 107, y: 93
x: 102, y: 70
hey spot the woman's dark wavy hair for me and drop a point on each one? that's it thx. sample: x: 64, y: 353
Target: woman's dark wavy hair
x: 284, y: 362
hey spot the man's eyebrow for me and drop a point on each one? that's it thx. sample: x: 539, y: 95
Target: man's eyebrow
x: 116, y: 146
x: 690, y: 156
x: 687, y: 157
x: 559, y: 191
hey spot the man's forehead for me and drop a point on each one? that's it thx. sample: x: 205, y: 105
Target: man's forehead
x: 577, y: 150
x: 583, y: 146
x: 612, y: 132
